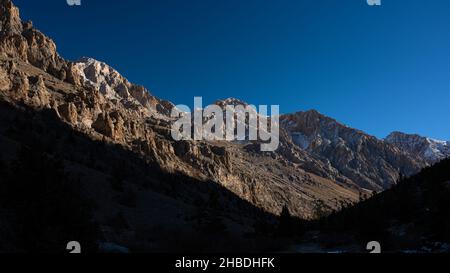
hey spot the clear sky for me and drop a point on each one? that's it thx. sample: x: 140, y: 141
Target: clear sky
x: 378, y: 69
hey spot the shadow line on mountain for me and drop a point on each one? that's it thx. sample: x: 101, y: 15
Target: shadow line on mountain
x: 28, y: 135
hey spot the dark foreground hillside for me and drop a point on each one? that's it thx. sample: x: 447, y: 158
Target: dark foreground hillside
x: 56, y: 186
x: 413, y: 216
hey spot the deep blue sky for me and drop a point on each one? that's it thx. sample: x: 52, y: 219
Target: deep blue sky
x: 378, y: 69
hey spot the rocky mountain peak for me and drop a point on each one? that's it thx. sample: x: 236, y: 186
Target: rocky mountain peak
x: 313, y: 123
x: 108, y: 81
x: 10, y: 18
x: 19, y: 40
x: 102, y: 77
x: 369, y: 162
x: 419, y: 146
x: 230, y: 101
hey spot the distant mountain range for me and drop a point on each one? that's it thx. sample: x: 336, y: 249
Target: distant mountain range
x: 429, y: 149
x: 367, y: 161
x: 86, y: 114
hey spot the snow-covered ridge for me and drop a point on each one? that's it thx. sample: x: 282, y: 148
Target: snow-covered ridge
x: 437, y: 149
x: 231, y: 102
x: 311, y: 129
x: 431, y: 149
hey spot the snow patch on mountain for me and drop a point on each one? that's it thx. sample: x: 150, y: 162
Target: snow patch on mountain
x: 300, y: 140
x: 431, y: 149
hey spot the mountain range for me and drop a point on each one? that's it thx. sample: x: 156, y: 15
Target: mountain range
x: 114, y: 137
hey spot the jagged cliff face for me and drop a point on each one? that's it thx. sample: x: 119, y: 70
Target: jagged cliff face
x: 21, y: 41
x: 91, y: 73
x: 431, y: 150
x: 367, y: 161
x: 10, y: 20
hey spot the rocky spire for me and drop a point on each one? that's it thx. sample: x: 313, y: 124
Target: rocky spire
x: 10, y: 18
x: 21, y: 41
